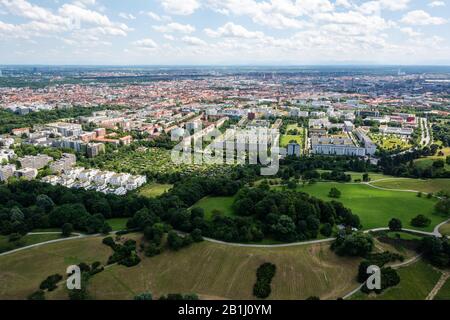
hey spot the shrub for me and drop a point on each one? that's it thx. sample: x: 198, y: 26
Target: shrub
x: 264, y: 276
x: 420, y: 221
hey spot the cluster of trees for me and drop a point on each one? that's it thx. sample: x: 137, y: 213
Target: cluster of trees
x: 356, y: 244
x: 124, y: 254
x: 443, y: 207
x: 285, y: 215
x: 10, y: 120
x: 441, y: 131
x: 389, y: 277
x: 420, y: 221
x: 27, y: 205
x: 264, y: 276
x: 436, y: 250
x: 403, y: 165
x: 307, y: 167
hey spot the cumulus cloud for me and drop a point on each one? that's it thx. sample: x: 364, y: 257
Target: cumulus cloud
x: 233, y: 30
x: 421, y: 18
x: 434, y: 4
x: 193, y: 41
x: 175, y: 27
x: 180, y: 7
x: 145, y: 44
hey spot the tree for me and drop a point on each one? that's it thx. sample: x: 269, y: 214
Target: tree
x: 37, y: 295
x: 395, y: 224
x: 144, y: 296
x: 438, y: 164
x: 196, y: 235
x: 420, y: 221
x: 326, y: 230
x: 443, y: 207
x: 366, y: 177
x: 174, y: 241
x: 67, y: 229
x: 334, y: 193
x: 45, y: 202
x: 355, y: 244
x: 152, y: 250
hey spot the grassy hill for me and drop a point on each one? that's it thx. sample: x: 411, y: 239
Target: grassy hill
x: 428, y: 186
x: 416, y: 282
x: 376, y: 207
x: 210, y: 204
x: 211, y: 270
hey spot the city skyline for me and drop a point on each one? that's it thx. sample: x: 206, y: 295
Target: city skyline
x: 210, y: 32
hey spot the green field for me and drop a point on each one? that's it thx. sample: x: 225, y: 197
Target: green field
x: 117, y: 224
x: 444, y: 292
x: 285, y: 139
x: 428, y: 186
x: 428, y: 161
x: 27, y: 240
x: 154, y: 189
x: 208, y: 269
x: 210, y: 204
x: 390, y: 142
x: 376, y: 207
x: 416, y: 282
x: 23, y: 271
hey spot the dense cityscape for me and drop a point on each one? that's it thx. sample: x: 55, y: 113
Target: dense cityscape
x: 224, y: 159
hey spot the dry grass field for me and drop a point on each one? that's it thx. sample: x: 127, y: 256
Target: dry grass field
x: 211, y: 270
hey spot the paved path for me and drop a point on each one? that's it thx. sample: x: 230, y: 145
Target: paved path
x: 77, y: 236
x: 438, y: 286
x: 395, y: 266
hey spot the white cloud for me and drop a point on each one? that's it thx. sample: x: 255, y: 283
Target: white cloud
x: 175, y: 27
x: 434, y: 4
x: 169, y: 37
x: 394, y: 5
x: 410, y: 32
x: 145, y: 44
x: 127, y: 16
x: 193, y: 41
x: 421, y: 18
x: 233, y: 30
x: 180, y: 7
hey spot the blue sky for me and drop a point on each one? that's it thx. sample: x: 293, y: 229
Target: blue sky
x: 277, y: 32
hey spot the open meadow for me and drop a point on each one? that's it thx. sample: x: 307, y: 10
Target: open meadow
x: 208, y: 269
x: 376, y: 207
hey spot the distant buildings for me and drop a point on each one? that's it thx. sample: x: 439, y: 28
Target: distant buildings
x: 6, y: 172
x: 35, y: 162
x: 335, y: 146
x: 293, y: 149
x: 93, y: 179
x: 67, y: 161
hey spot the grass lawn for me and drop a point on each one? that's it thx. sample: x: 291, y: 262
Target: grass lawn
x: 445, y: 229
x: 286, y: 139
x: 23, y: 271
x: 416, y: 282
x: 376, y: 207
x: 154, y: 189
x: 209, y: 204
x: 428, y: 186
x: 208, y: 269
x: 219, y: 271
x: 428, y: 161
x: 359, y: 175
x: 117, y: 224
x: 27, y: 240
x: 444, y: 292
